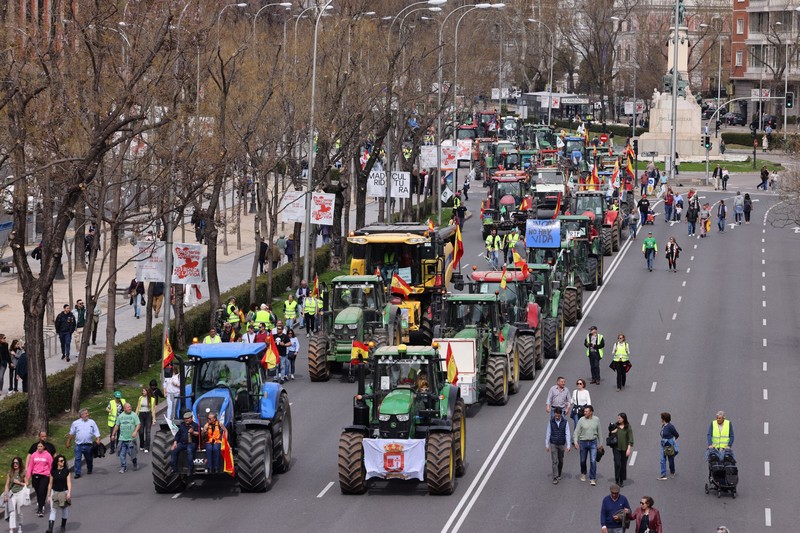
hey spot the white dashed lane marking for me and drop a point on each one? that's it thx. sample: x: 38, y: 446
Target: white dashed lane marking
x: 633, y: 458
x: 326, y: 489
x: 661, y: 360
x: 764, y: 366
x: 644, y: 419
x: 766, y: 468
x: 669, y: 334
x: 691, y: 258
x: 766, y: 428
x: 767, y: 517
x: 653, y: 386
x: 680, y: 298
x: 683, y: 284
x: 766, y: 394
x: 765, y: 343
x: 763, y: 321
x: 763, y: 303
x: 674, y: 316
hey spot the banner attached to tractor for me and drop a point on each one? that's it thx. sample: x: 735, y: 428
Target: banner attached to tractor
x: 543, y: 234
x: 395, y: 459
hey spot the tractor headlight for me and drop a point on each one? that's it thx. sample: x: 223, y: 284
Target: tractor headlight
x: 402, y: 418
x: 338, y: 326
x: 352, y: 326
x: 384, y: 418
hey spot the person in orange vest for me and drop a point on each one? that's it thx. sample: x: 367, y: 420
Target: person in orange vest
x: 213, y: 433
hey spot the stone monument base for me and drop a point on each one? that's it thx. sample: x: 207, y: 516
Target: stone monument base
x: 688, y: 123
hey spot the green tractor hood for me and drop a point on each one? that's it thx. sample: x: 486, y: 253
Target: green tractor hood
x: 350, y: 315
x: 397, y: 402
x: 467, y: 333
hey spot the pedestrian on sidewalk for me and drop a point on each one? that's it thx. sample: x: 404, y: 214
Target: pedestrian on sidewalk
x: 580, y: 399
x: 692, y: 214
x: 614, y: 512
x: 747, y: 207
x: 126, y: 430
x: 673, y: 251
x: 263, y: 248
x: 647, y: 517
x: 155, y: 392
x: 95, y: 321
x: 291, y: 351
x: 467, y: 183
x: 14, y: 495
x: 59, y: 492
x: 290, y: 249
x: 621, y: 363
x: 764, y: 178
x: 738, y: 208
x: 649, y: 250
x: 594, y: 343
x: 558, y: 396
x: 722, y: 213
x: 84, y: 430
x: 705, y: 220
x: 21, y: 370
x: 157, y: 297
x: 5, y: 363
x: 725, y: 177
x: 677, y: 209
x: 310, y: 310
x: 557, y: 441
x: 136, y: 293
x: 65, y: 327
x: 717, y: 175
x: 80, y: 321
x: 38, y: 475
x: 172, y: 386
x: 146, y: 411
x: 282, y: 245
x: 620, y: 440
x: 669, y: 200
x: 275, y: 257
x: 669, y: 446
x: 114, y: 408
x: 586, y: 437
x: 44, y: 442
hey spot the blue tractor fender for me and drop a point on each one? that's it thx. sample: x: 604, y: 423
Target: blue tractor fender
x: 270, y: 392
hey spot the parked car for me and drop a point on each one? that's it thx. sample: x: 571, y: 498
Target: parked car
x: 734, y: 119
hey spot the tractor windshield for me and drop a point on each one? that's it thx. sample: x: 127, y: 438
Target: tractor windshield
x: 545, y: 139
x: 394, y: 372
x: 542, y: 256
x: 459, y: 315
x: 220, y: 373
x: 509, y: 124
x: 507, y: 296
x: 358, y: 295
x: 574, y: 145
x: 467, y: 133
x: 514, y: 189
x: 572, y: 229
x: 552, y: 178
x: 589, y: 202
x: 398, y: 259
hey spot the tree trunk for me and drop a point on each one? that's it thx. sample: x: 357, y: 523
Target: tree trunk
x: 148, y: 325
x: 80, y: 237
x: 34, y: 305
x: 111, y: 322
x: 178, y: 311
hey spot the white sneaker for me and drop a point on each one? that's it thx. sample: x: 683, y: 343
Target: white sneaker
x: 583, y: 477
x: 291, y: 376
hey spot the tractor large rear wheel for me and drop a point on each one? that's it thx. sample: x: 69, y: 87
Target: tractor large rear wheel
x: 600, y: 280
x: 539, y: 348
x: 281, y: 429
x: 526, y: 346
x: 579, y: 288
x: 352, y: 473
x: 440, y: 464
x: 254, y: 461
x: 165, y: 480
x: 319, y: 369
x: 497, y: 381
x: 591, y: 269
x: 606, y: 241
x: 570, y: 299
x: 616, y: 236
x: 551, y: 338
x: 460, y: 437
x: 426, y: 331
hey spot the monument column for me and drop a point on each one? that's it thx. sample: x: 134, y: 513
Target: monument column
x: 683, y: 51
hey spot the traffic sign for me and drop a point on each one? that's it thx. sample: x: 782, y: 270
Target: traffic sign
x: 649, y: 154
x: 603, y: 138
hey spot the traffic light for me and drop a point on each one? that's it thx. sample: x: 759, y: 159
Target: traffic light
x: 707, y: 142
x: 789, y: 100
x: 636, y: 146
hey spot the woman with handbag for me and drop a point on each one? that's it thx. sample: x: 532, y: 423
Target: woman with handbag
x: 60, y: 492
x: 15, y: 495
x: 648, y: 519
x: 621, y: 363
x: 580, y: 399
x: 620, y: 440
x: 669, y: 446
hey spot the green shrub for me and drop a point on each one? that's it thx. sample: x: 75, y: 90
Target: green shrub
x: 741, y: 138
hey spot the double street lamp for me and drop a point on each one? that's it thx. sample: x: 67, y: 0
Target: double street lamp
x: 552, y: 56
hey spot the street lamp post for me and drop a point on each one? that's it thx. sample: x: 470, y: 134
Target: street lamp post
x: 673, y: 141
x: 282, y: 4
x: 221, y: 11
x: 552, y: 57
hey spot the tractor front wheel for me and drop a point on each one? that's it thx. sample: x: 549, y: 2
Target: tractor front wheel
x: 254, y: 461
x: 550, y: 338
x: 440, y: 464
x: 591, y: 269
x: 513, y: 369
x: 570, y: 300
x: 526, y: 346
x: 460, y: 437
x: 319, y: 369
x: 282, y: 435
x: 352, y: 473
x: 165, y: 480
x: 606, y: 241
x: 497, y: 381
x: 615, y: 237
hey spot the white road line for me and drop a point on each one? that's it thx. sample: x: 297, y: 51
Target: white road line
x: 766, y: 468
x: 763, y: 261
x: 763, y: 303
x: 767, y: 517
x: 691, y: 258
x: 688, y: 270
x: 680, y: 298
x: 766, y: 428
x: 763, y: 274
x: 764, y: 366
x: 661, y: 360
x: 683, y: 284
x: 326, y: 489
x: 762, y: 250
x: 763, y: 321
x: 644, y: 419
x: 653, y: 386
x: 762, y: 239
x: 763, y: 288
x: 763, y: 231
x: 175, y: 496
x: 674, y: 316
x: 766, y: 394
x: 465, y: 266
x: 695, y: 247
x: 765, y: 343
x: 669, y: 334
x: 633, y: 458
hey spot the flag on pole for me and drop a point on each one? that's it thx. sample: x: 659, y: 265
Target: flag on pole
x: 271, y: 357
x: 452, y: 368
x: 558, y: 207
x: 359, y: 352
x: 595, y: 179
x: 315, y: 291
x: 615, y: 175
x: 227, y: 456
x: 399, y: 286
x: 520, y: 263
x: 629, y: 165
x: 377, y: 271
x: 503, y: 282
x: 458, y: 253
x: 364, y: 159
x: 168, y: 355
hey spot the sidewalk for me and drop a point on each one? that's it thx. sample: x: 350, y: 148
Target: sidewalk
x: 233, y: 270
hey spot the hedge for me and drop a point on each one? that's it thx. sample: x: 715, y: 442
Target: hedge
x: 740, y: 138
x: 129, y: 358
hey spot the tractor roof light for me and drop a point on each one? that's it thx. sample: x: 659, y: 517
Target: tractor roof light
x: 402, y: 348
x: 435, y: 345
x: 371, y: 344
x: 359, y: 397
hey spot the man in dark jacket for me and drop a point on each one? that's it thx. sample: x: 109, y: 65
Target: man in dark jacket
x: 262, y: 255
x: 65, y: 327
x: 22, y: 370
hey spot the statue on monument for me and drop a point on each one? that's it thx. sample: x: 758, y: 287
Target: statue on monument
x: 681, y: 12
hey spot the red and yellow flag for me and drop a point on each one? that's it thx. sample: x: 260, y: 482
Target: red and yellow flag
x: 227, y: 456
x: 168, y: 355
x: 558, y: 207
x: 458, y: 253
x: 503, y: 282
x: 615, y: 175
x: 595, y: 178
x: 315, y: 290
x: 377, y: 271
x: 452, y: 368
x: 399, y: 286
x: 360, y: 352
x: 629, y: 165
x: 521, y: 264
x: 271, y: 357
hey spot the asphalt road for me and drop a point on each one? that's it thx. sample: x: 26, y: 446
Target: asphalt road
x: 699, y: 344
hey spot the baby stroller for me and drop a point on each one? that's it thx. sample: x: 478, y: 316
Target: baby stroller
x: 723, y: 474
x: 651, y: 217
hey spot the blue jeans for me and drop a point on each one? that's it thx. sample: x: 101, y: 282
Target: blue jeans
x: 667, y: 213
x: 721, y: 223
x: 137, y: 305
x: 214, y: 456
x: 649, y: 255
x: 290, y: 362
x: 189, y: 448
x: 664, y: 459
x: 589, y: 447
x: 66, y: 340
x: 494, y: 258
x: 692, y: 226
x: 83, y: 451
x: 125, y: 448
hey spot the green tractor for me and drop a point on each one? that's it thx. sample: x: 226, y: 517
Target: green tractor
x: 408, y: 422
x: 607, y: 222
x: 485, y: 348
x: 584, y: 250
x: 547, y: 293
x: 356, y: 310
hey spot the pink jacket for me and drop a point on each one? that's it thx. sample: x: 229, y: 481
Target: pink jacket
x: 41, y: 463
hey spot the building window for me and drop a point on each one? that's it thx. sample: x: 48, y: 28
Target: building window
x: 739, y: 58
x: 627, y: 53
x: 739, y: 26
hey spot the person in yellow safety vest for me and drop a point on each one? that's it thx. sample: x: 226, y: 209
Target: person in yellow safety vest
x: 114, y: 408
x: 232, y: 311
x: 595, y: 343
x: 310, y: 308
x: 720, y: 435
x: 389, y: 264
x: 494, y: 244
x: 621, y: 360
x: 290, y: 311
x: 511, y: 242
x: 407, y: 153
x: 212, y: 337
x: 263, y: 316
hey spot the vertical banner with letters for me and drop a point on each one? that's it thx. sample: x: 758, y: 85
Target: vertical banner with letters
x: 293, y: 206
x: 427, y: 156
x: 322, y: 205
x: 186, y: 263
x: 150, y: 263
x: 376, y: 184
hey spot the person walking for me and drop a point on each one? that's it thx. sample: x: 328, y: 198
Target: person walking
x: 263, y: 249
x: 35, y: 446
x: 725, y: 177
x: 291, y: 351
x: 669, y: 446
x: 146, y: 411
x: 59, y: 491
x: 13, y: 494
x: 595, y: 344
x: 126, y: 429
x: 95, y: 321
x: 692, y: 214
x: 614, y: 512
x: 720, y: 435
x: 672, y: 252
x: 65, y: 327
x: 38, y: 475
x: 717, y: 175
x: 290, y: 311
x: 644, y: 207
x: 722, y: 213
x: 648, y: 519
x: 172, y: 387
x: 84, y: 431
x: 649, y: 250
x: 558, y: 396
x: 620, y: 440
x: 494, y: 245
x: 580, y: 399
x: 747, y: 207
x: 557, y: 441
x: 669, y: 201
x: 310, y: 310
x: 21, y: 368
x: 705, y: 220
x: 289, y: 250
x: 621, y: 362
x: 80, y: 322
x: 213, y: 433
x: 157, y: 297
x: 586, y: 437
x: 114, y: 409
x: 738, y: 208
x: 633, y: 222
x: 5, y: 362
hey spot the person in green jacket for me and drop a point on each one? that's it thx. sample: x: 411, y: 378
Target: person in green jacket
x: 649, y: 250
x: 623, y: 447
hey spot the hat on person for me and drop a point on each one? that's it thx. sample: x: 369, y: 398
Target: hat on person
x: 117, y: 394
x: 649, y: 232
x: 187, y: 415
x: 593, y: 328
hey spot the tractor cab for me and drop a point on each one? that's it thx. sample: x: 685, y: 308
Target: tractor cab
x: 513, y: 298
x: 471, y: 316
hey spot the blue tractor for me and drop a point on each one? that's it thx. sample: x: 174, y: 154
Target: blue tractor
x: 228, y: 379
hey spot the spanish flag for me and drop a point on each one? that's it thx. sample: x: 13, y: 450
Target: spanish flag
x: 615, y: 175
x: 521, y: 264
x: 503, y: 282
x: 586, y: 136
x: 431, y: 227
x: 227, y: 456
x: 377, y: 271
x: 271, y: 357
x: 359, y: 353
x: 315, y: 290
x: 452, y: 368
x: 458, y: 253
x: 629, y: 165
x: 558, y: 207
x: 595, y: 178
x: 168, y: 355
x: 399, y: 286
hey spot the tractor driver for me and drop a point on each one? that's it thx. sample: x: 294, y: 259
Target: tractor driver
x: 224, y: 376
x: 389, y: 266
